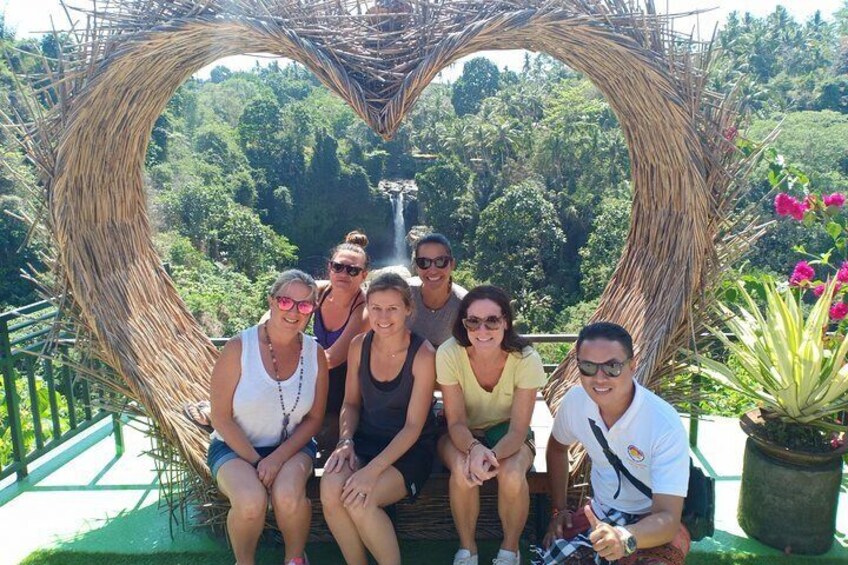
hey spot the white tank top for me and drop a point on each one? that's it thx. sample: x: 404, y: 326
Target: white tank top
x: 256, y: 401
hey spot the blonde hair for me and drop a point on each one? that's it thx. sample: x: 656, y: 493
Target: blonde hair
x: 291, y: 276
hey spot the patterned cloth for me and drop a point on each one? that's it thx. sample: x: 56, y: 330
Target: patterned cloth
x: 577, y: 549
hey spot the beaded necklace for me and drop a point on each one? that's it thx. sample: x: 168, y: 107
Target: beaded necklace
x: 286, y: 415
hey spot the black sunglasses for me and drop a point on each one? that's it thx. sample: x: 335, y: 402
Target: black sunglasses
x: 473, y: 323
x: 610, y: 368
x: 352, y: 270
x: 440, y: 262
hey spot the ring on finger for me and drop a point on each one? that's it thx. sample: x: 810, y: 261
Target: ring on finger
x: 362, y: 494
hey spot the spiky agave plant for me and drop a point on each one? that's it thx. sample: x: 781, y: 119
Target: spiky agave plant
x: 790, y: 365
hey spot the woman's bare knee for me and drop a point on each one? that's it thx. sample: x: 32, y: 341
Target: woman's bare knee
x: 287, y: 497
x: 332, y: 485
x: 250, y: 505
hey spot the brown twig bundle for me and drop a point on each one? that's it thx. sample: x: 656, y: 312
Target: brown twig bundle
x: 114, y: 79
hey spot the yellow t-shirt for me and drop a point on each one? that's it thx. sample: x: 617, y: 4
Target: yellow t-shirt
x: 485, y: 409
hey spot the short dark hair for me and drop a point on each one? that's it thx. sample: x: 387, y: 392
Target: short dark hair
x: 512, y: 342
x: 433, y: 238
x: 608, y: 331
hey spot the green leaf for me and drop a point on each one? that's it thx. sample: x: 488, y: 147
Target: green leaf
x: 774, y: 177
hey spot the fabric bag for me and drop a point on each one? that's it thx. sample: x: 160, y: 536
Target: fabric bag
x: 699, y: 504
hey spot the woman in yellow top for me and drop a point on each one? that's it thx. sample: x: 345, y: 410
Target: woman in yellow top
x: 489, y: 376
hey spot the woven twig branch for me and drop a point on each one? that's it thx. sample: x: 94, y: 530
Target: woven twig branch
x: 117, y: 77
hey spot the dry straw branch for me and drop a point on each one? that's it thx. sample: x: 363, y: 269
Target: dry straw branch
x: 126, y: 62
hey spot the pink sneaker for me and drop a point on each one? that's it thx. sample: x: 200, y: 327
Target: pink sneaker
x: 298, y: 561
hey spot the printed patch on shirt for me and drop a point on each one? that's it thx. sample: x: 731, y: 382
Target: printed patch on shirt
x: 635, y: 453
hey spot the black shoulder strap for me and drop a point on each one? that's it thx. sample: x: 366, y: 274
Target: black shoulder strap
x: 616, y: 463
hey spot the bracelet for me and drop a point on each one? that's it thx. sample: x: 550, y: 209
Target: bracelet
x: 471, y: 446
x: 256, y: 463
x: 344, y: 441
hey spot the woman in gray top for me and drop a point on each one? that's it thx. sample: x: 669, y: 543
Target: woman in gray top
x: 435, y: 295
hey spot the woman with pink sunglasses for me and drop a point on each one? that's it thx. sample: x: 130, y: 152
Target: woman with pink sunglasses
x: 268, y: 397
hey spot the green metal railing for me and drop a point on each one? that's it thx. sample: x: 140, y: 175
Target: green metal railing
x: 47, y: 403
x: 44, y: 401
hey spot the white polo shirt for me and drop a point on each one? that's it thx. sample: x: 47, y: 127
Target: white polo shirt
x: 648, y: 438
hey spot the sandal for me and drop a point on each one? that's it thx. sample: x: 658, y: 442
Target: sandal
x: 193, y: 411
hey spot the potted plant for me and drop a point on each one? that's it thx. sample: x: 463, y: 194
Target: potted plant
x: 795, y: 372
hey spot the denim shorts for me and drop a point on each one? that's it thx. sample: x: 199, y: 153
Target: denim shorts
x: 219, y: 453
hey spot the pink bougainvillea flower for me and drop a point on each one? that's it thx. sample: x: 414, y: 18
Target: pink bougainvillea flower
x: 842, y: 273
x: 786, y: 205
x: 803, y: 272
x: 783, y: 204
x: 819, y: 290
x: 838, y: 311
x: 799, y: 209
x: 836, y: 199
x: 730, y: 133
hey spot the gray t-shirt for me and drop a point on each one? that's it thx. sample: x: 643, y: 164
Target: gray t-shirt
x: 434, y: 325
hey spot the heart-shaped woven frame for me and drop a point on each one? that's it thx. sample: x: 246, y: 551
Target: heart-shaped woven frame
x: 120, y: 72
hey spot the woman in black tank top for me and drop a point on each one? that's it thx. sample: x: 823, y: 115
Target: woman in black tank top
x: 387, y: 432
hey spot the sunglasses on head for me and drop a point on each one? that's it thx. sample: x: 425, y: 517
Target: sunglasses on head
x: 286, y: 303
x: 352, y: 270
x: 610, y: 368
x: 440, y: 262
x: 473, y: 323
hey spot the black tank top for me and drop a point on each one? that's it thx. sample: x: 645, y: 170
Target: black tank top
x: 384, y: 404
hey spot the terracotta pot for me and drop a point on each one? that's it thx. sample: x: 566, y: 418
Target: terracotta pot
x: 788, y: 499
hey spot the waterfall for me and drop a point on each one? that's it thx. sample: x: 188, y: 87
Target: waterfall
x: 399, y: 229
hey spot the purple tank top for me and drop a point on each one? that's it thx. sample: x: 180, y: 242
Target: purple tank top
x: 325, y: 337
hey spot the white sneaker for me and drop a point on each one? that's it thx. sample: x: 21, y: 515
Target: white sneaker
x: 507, y: 558
x: 464, y: 557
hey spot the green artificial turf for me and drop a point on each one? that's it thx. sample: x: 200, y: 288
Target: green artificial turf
x: 415, y: 553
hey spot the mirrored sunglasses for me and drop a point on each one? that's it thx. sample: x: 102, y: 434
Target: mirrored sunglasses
x: 473, y: 323
x: 441, y: 262
x: 610, y: 368
x: 352, y: 270
x: 286, y: 303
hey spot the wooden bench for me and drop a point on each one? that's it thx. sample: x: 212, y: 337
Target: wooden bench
x: 429, y: 517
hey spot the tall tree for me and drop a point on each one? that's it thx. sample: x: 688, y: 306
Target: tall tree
x: 480, y: 79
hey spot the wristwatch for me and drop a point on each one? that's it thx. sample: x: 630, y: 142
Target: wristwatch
x: 627, y: 539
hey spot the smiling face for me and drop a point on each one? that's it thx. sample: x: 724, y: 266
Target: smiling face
x: 611, y: 394
x: 484, y: 338
x: 434, y: 277
x: 290, y: 320
x: 343, y: 280
x: 387, y: 312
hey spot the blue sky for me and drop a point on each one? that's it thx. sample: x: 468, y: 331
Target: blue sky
x: 33, y: 16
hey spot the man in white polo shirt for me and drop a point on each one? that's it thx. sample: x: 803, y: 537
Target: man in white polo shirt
x: 640, y: 462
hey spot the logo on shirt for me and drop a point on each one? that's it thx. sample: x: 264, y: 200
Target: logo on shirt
x: 635, y: 453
